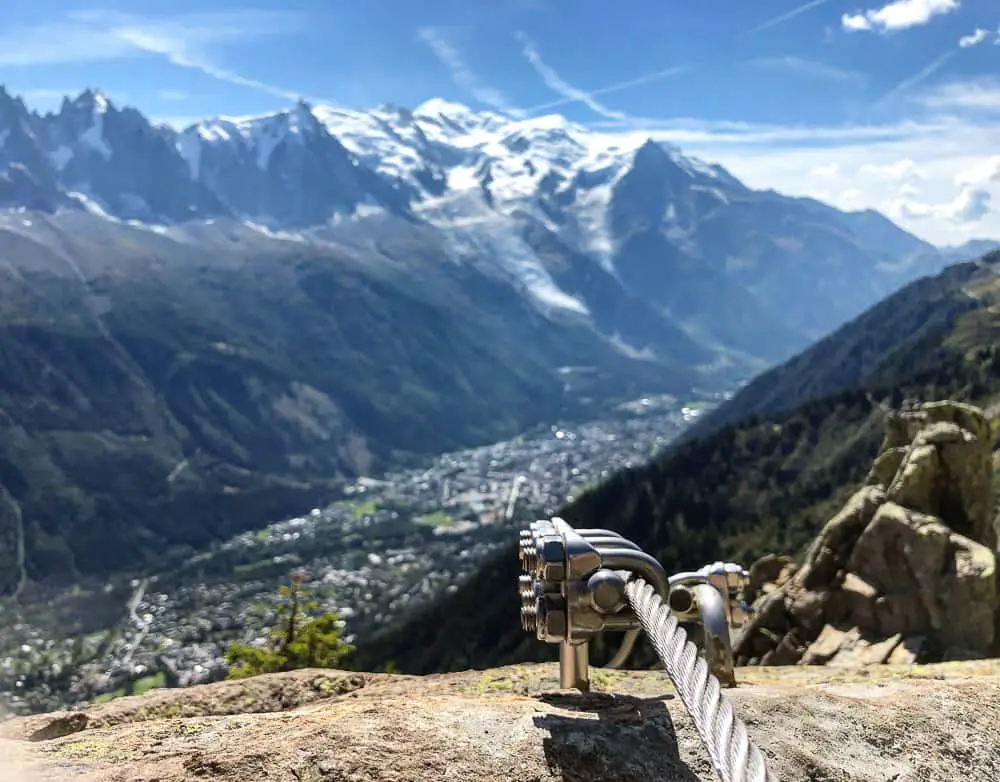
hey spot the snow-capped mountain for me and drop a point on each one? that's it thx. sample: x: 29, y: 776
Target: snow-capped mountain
x: 286, y: 169
x: 200, y: 328
x: 663, y: 254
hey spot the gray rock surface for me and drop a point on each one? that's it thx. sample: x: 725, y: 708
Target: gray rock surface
x: 939, y: 724
x: 906, y: 570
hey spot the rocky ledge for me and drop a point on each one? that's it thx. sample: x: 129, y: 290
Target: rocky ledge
x: 906, y: 724
x: 906, y: 572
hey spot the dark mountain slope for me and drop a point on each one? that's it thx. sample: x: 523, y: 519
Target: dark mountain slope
x: 762, y: 484
x: 847, y: 357
x: 159, y: 391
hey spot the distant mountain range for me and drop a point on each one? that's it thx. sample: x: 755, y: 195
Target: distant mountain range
x: 202, y: 329
x: 647, y: 244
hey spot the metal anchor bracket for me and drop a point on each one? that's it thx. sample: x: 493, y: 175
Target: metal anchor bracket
x: 573, y: 588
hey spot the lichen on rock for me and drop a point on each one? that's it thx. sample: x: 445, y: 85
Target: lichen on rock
x: 907, y: 570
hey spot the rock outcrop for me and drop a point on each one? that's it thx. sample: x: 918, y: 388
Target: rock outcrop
x: 906, y: 571
x: 513, y: 724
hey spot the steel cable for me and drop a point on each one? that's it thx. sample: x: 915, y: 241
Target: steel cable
x: 734, y: 755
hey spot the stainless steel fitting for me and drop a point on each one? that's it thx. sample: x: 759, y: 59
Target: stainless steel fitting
x: 572, y: 588
x: 730, y: 579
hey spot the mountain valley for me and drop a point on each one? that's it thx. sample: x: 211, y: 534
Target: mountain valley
x: 205, y: 331
x: 384, y: 549
x: 761, y: 481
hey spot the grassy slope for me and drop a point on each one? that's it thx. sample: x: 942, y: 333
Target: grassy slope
x: 763, y: 484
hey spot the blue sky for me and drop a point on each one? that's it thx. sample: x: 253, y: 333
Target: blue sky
x: 891, y: 104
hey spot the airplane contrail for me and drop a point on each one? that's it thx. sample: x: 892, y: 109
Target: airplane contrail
x: 784, y: 17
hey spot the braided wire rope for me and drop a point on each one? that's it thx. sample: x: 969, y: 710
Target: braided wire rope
x: 734, y: 755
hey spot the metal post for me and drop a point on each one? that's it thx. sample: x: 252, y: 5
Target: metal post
x: 574, y: 666
x: 576, y: 584
x: 718, y: 648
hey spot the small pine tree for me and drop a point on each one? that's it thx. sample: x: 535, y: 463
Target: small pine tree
x: 297, y: 641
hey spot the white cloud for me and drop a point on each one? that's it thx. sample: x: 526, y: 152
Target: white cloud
x: 898, y: 15
x: 806, y: 67
x: 971, y: 205
x: 186, y: 40
x: 980, y: 95
x: 974, y: 38
x: 825, y: 171
x: 572, y: 94
x: 983, y: 172
x: 439, y: 43
x: 897, y: 171
x: 855, y: 22
x: 776, y: 20
x: 560, y: 86
x: 695, y: 131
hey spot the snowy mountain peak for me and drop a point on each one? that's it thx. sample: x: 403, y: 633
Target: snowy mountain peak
x: 661, y: 255
x: 652, y: 151
x: 440, y: 147
x: 91, y: 100
x: 302, y: 118
x: 251, y: 130
x: 258, y: 136
x: 439, y: 107
x: 79, y: 128
x: 449, y: 121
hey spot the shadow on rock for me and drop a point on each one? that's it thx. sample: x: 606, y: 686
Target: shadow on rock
x: 637, y: 732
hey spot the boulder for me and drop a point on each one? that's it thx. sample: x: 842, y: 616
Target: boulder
x: 906, y: 570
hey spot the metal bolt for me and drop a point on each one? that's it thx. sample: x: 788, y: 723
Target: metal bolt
x: 550, y: 612
x: 528, y: 555
x: 529, y: 618
x: 607, y: 591
x: 552, y: 552
x: 527, y: 590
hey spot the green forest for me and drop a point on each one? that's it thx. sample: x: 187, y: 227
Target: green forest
x: 764, y: 484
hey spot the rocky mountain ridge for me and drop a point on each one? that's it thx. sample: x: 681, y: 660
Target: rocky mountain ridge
x: 559, y: 211
x: 906, y: 570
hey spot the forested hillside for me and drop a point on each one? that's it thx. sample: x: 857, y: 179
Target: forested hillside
x: 765, y: 483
